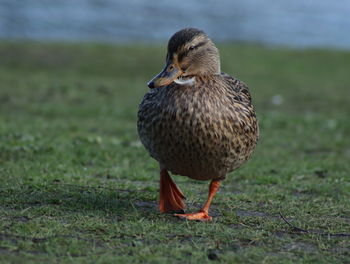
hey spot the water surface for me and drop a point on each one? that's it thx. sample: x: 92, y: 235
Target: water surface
x: 297, y: 23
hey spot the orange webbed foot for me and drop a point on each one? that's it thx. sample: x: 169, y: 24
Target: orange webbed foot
x: 203, y: 215
x: 171, y: 197
x: 199, y: 216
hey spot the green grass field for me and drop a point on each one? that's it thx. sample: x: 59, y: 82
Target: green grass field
x: 77, y: 186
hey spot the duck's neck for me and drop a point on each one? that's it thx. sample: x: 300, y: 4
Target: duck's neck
x: 209, y: 66
x: 211, y: 63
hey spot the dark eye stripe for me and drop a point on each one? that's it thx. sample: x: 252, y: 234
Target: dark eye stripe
x: 185, y: 53
x: 199, y: 44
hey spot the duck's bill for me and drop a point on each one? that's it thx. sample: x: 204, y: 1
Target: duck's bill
x: 165, y: 77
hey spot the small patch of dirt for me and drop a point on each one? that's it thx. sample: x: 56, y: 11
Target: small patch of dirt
x: 279, y: 234
x: 22, y: 219
x: 302, y: 194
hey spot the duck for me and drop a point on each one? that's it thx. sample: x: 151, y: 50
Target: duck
x: 195, y: 120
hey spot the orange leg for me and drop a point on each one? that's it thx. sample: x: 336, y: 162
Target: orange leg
x: 203, y: 215
x: 171, y: 198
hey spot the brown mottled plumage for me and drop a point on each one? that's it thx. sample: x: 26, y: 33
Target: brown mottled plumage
x: 197, y: 121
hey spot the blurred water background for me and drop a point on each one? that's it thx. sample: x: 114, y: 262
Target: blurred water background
x: 297, y: 23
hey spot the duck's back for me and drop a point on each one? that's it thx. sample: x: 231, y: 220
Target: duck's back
x: 203, y: 130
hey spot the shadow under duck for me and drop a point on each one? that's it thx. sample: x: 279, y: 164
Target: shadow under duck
x: 195, y: 121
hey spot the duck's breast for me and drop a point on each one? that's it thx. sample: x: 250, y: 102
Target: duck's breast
x: 199, y: 132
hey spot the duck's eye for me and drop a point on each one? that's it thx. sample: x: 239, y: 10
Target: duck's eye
x: 191, y: 47
x: 171, y: 67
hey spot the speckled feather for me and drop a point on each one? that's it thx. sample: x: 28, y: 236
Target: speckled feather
x: 204, y: 130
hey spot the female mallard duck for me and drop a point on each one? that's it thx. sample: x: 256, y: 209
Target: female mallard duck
x: 195, y: 121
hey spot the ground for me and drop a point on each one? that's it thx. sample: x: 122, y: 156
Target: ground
x: 77, y: 186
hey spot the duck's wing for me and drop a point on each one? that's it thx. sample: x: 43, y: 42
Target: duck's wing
x: 240, y: 88
x: 242, y: 102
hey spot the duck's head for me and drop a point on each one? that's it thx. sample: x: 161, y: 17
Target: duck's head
x: 190, y: 53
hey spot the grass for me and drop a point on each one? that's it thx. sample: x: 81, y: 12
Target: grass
x: 78, y: 187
